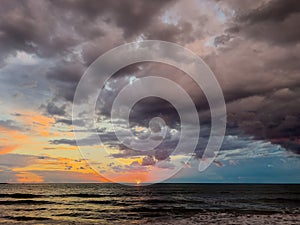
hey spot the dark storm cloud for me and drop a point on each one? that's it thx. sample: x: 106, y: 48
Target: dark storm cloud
x: 148, y: 161
x: 69, y: 122
x: 29, y: 26
x: 179, y: 33
x: 222, y: 39
x: 64, y: 77
x: 69, y: 72
x: 72, y: 33
x: 55, y: 28
x: 150, y: 107
x: 262, y: 88
x: 277, y: 11
x: 290, y: 145
x: 131, y: 16
x: 275, y: 22
x: 53, y: 109
x: 63, y: 142
x: 64, y: 121
x: 277, y: 117
x: 89, y: 141
x: 257, y: 54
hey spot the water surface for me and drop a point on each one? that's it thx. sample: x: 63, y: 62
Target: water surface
x: 118, y: 204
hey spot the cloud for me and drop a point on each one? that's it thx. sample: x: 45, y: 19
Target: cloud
x: 39, y: 124
x: 165, y: 165
x: 29, y: 168
x: 53, y: 109
x: 7, y: 149
x: 291, y: 145
x: 10, y: 161
x: 148, y: 161
x: 10, y: 124
x: 261, y: 89
x: 252, y: 47
x: 131, y: 16
x: 22, y: 32
x: 274, y: 22
x: 91, y: 140
x: 71, y: 176
x: 29, y: 177
x: 63, y: 142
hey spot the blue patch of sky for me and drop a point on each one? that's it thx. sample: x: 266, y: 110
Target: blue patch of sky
x: 170, y: 17
x: 274, y: 169
x: 257, y: 162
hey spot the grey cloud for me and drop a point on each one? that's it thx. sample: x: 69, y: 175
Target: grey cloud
x: 10, y: 161
x: 20, y: 30
x: 262, y: 86
x: 274, y: 21
x: 10, y: 124
x: 63, y: 142
x: 53, y: 109
x: 222, y: 39
x: 64, y: 121
x: 69, y: 122
x: 277, y: 10
x: 134, y: 166
x: 162, y: 154
x: 127, y: 153
x: 290, y: 145
x: 91, y: 140
x: 256, y: 53
x: 257, y: 56
x: 131, y: 16
x: 165, y: 165
x: 148, y: 161
x: 76, y: 33
x: 69, y: 72
x: 64, y: 77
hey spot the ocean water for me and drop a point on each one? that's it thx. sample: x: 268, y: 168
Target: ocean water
x: 160, y: 203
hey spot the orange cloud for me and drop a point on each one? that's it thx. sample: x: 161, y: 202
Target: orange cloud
x: 59, y: 164
x: 28, y: 177
x: 44, y: 169
x: 7, y: 149
x: 32, y: 138
x: 9, y: 137
x: 39, y: 123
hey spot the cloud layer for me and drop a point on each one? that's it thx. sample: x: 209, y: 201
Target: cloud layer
x: 252, y: 46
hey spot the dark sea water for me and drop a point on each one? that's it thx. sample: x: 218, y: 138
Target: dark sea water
x: 117, y: 204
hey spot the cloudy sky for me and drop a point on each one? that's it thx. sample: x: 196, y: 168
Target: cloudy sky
x: 252, y: 47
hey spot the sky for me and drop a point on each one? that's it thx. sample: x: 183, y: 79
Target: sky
x: 252, y: 47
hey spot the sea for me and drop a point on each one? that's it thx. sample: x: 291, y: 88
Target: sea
x: 154, y: 204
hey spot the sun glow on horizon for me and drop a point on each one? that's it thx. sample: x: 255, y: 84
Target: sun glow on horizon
x: 138, y: 182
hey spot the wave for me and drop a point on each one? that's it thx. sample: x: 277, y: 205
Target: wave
x: 20, y: 195
x: 278, y: 200
x: 87, y: 195
x: 28, y: 202
x: 77, y: 195
x: 25, y: 218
